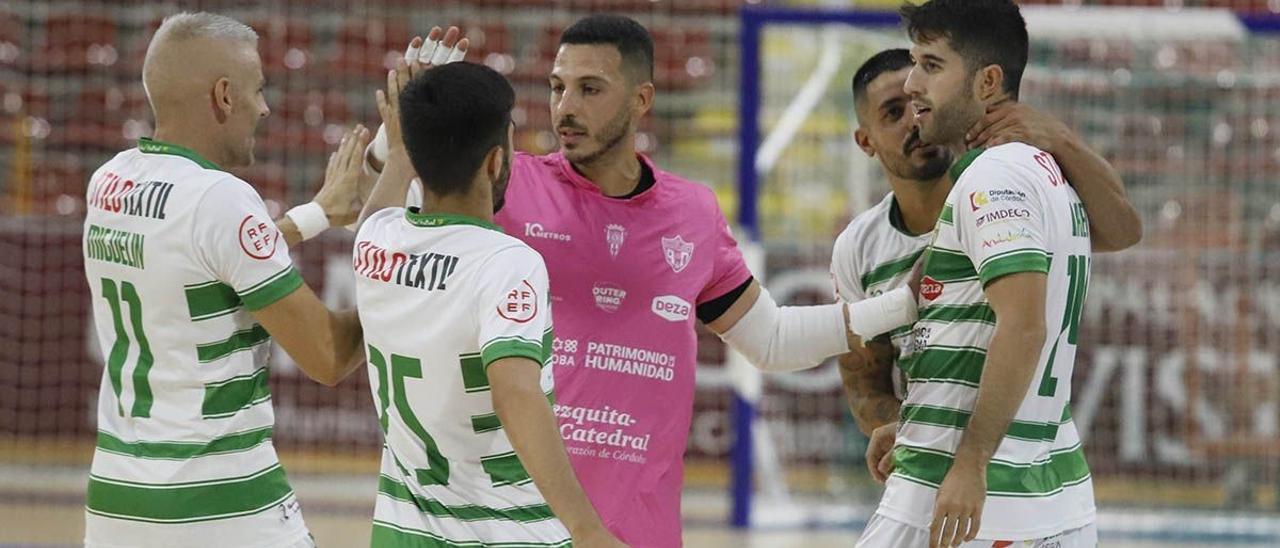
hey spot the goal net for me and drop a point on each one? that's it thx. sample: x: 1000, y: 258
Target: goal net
x: 1175, y: 389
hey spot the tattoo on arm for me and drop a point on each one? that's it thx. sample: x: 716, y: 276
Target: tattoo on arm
x: 868, y: 383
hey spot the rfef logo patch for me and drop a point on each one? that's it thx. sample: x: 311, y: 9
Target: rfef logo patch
x: 930, y: 288
x: 521, y: 303
x: 258, y: 237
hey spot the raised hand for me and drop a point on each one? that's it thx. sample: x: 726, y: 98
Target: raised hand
x: 340, y: 195
x: 440, y: 47
x: 389, y: 108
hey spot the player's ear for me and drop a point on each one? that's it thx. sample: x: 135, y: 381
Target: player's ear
x: 861, y: 137
x: 221, y: 95
x: 493, y: 162
x: 644, y: 98
x: 989, y: 84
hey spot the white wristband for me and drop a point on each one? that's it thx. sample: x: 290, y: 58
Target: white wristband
x: 883, y: 313
x: 309, y: 218
x: 378, y: 149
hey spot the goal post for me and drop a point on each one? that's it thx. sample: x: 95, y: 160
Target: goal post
x: 754, y: 20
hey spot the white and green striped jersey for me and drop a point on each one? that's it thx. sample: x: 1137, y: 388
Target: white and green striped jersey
x: 177, y: 253
x: 441, y: 297
x: 1009, y: 211
x: 875, y: 254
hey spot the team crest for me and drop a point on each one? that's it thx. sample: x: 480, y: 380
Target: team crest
x: 614, y: 235
x: 678, y: 252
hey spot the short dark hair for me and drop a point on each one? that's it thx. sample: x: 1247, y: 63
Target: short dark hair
x: 889, y: 60
x: 451, y: 117
x: 984, y: 32
x: 630, y: 38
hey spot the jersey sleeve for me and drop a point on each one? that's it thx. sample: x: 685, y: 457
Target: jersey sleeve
x: 730, y: 269
x: 514, y: 307
x: 844, y: 268
x: 241, y: 246
x: 1001, y: 221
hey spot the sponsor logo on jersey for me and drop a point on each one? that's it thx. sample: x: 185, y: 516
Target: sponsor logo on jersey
x: 916, y: 340
x: 521, y: 303
x: 116, y: 195
x: 429, y: 271
x: 930, y: 288
x: 671, y: 308
x: 1001, y: 215
x: 1008, y: 236
x: 535, y: 230
x: 559, y: 345
x: 614, y: 236
x: 635, y: 361
x: 677, y: 252
x: 980, y: 199
x: 258, y: 237
x: 977, y: 200
x: 608, y: 296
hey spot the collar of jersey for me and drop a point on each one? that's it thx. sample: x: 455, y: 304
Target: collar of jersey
x: 430, y: 220
x: 584, y: 183
x: 152, y: 146
x: 964, y: 162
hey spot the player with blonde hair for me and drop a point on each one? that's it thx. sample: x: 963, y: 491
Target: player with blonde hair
x: 191, y: 279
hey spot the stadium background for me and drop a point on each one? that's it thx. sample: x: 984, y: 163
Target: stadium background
x: 1177, y: 389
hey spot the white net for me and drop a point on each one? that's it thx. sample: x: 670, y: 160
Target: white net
x: 1176, y: 388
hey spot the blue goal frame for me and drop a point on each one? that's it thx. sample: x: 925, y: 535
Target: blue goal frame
x: 753, y: 20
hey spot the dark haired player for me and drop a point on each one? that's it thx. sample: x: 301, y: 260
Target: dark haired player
x: 637, y: 255
x: 988, y: 364
x: 459, y: 321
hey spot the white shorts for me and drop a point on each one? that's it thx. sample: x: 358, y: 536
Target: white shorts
x: 279, y: 527
x: 882, y: 532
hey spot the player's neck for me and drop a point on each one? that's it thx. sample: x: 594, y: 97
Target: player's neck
x: 616, y: 172
x: 472, y: 204
x: 191, y: 139
x: 920, y: 202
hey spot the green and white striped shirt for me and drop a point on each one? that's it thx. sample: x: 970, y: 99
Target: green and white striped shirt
x: 875, y: 254
x: 442, y: 297
x: 177, y: 253
x: 1010, y: 211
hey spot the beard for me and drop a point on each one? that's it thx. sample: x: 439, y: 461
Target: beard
x: 953, y: 118
x: 500, y: 185
x: 937, y: 159
x: 949, y: 124
x: 608, y: 138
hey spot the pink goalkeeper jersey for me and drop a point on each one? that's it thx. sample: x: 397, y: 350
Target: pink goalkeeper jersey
x: 626, y: 277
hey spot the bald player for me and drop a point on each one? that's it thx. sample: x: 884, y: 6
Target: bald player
x: 191, y: 279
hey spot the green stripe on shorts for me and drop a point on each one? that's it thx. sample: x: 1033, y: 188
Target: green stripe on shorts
x: 191, y: 501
